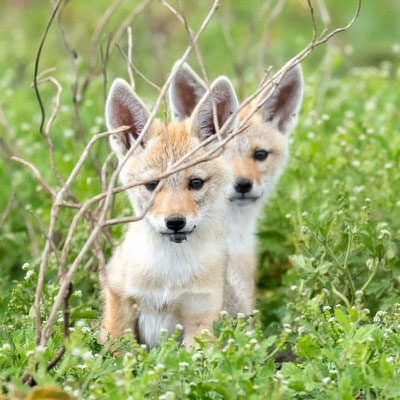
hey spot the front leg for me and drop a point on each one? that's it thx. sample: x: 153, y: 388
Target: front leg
x: 199, y: 311
x: 195, y: 323
x: 119, y: 314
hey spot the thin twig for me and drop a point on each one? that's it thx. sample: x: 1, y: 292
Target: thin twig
x: 7, y: 209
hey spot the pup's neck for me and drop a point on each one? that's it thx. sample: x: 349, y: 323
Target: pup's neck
x: 242, y: 227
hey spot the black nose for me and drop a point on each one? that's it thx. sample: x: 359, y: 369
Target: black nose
x: 175, y: 223
x: 243, y: 185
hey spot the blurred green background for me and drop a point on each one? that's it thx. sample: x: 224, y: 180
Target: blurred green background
x: 241, y: 39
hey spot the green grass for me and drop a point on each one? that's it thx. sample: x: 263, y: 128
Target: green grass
x: 329, y: 266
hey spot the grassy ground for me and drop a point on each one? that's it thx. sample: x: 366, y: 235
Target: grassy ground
x: 329, y: 269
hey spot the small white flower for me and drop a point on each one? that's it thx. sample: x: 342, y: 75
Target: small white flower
x: 304, y: 230
x: 71, y: 329
x: 359, y: 293
x: 389, y: 359
x: 253, y: 341
x: 231, y: 341
x: 332, y: 371
x: 179, y: 327
x: 143, y: 346
x: 240, y: 315
x: 183, y: 364
x: 326, y: 380
x: 68, y: 133
x: 279, y: 375
x: 87, y: 355
x: 327, y: 308
x: 25, y: 266
x: 6, y: 346
x: 85, y: 329
x: 366, y: 310
x: 384, y: 232
x: 293, y: 287
x: 356, y: 163
x: 82, y: 366
x: 28, y: 274
x: 358, y: 189
x: 396, y: 48
x: 371, y: 339
x: 305, y: 214
x: 196, y: 356
x: 340, y: 340
x: 76, y: 352
x: 288, y: 216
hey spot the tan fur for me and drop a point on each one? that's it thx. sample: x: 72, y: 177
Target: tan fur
x: 254, y: 179
x: 153, y: 281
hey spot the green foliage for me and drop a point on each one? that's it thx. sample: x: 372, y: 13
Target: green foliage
x: 329, y: 268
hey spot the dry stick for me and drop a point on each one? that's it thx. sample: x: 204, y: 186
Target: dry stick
x: 44, y: 183
x: 104, y: 58
x: 7, y: 209
x: 37, y: 175
x: 137, y: 70
x: 43, y: 230
x: 182, y: 18
x: 92, y: 72
x: 68, y: 277
x: 127, y: 21
x: 76, y: 98
x: 131, y: 78
x: 55, y: 209
x: 37, y: 66
x: 272, y: 17
x: 99, y: 29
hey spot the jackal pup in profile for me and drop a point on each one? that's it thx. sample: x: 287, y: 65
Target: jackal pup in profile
x: 171, y: 263
x: 257, y: 157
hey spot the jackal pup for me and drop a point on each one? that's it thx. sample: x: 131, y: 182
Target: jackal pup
x: 170, y: 264
x: 257, y: 157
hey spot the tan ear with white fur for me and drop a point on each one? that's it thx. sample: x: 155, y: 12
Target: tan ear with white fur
x: 283, y: 107
x: 223, y: 95
x: 124, y: 107
x: 185, y: 92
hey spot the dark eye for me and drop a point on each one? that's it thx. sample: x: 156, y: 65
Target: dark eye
x: 260, y: 155
x: 151, y: 185
x: 196, y: 184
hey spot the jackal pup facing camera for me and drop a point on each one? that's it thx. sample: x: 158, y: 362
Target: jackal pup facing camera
x: 170, y: 264
x: 257, y: 157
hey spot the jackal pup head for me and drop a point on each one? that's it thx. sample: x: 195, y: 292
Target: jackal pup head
x: 189, y: 201
x: 259, y: 154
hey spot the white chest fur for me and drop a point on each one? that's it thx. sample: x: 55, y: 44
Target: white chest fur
x: 166, y: 278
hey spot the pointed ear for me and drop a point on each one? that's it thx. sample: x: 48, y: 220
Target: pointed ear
x: 185, y: 92
x: 282, y: 108
x: 123, y: 107
x: 223, y: 95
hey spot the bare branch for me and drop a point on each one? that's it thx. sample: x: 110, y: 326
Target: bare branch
x: 7, y: 209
